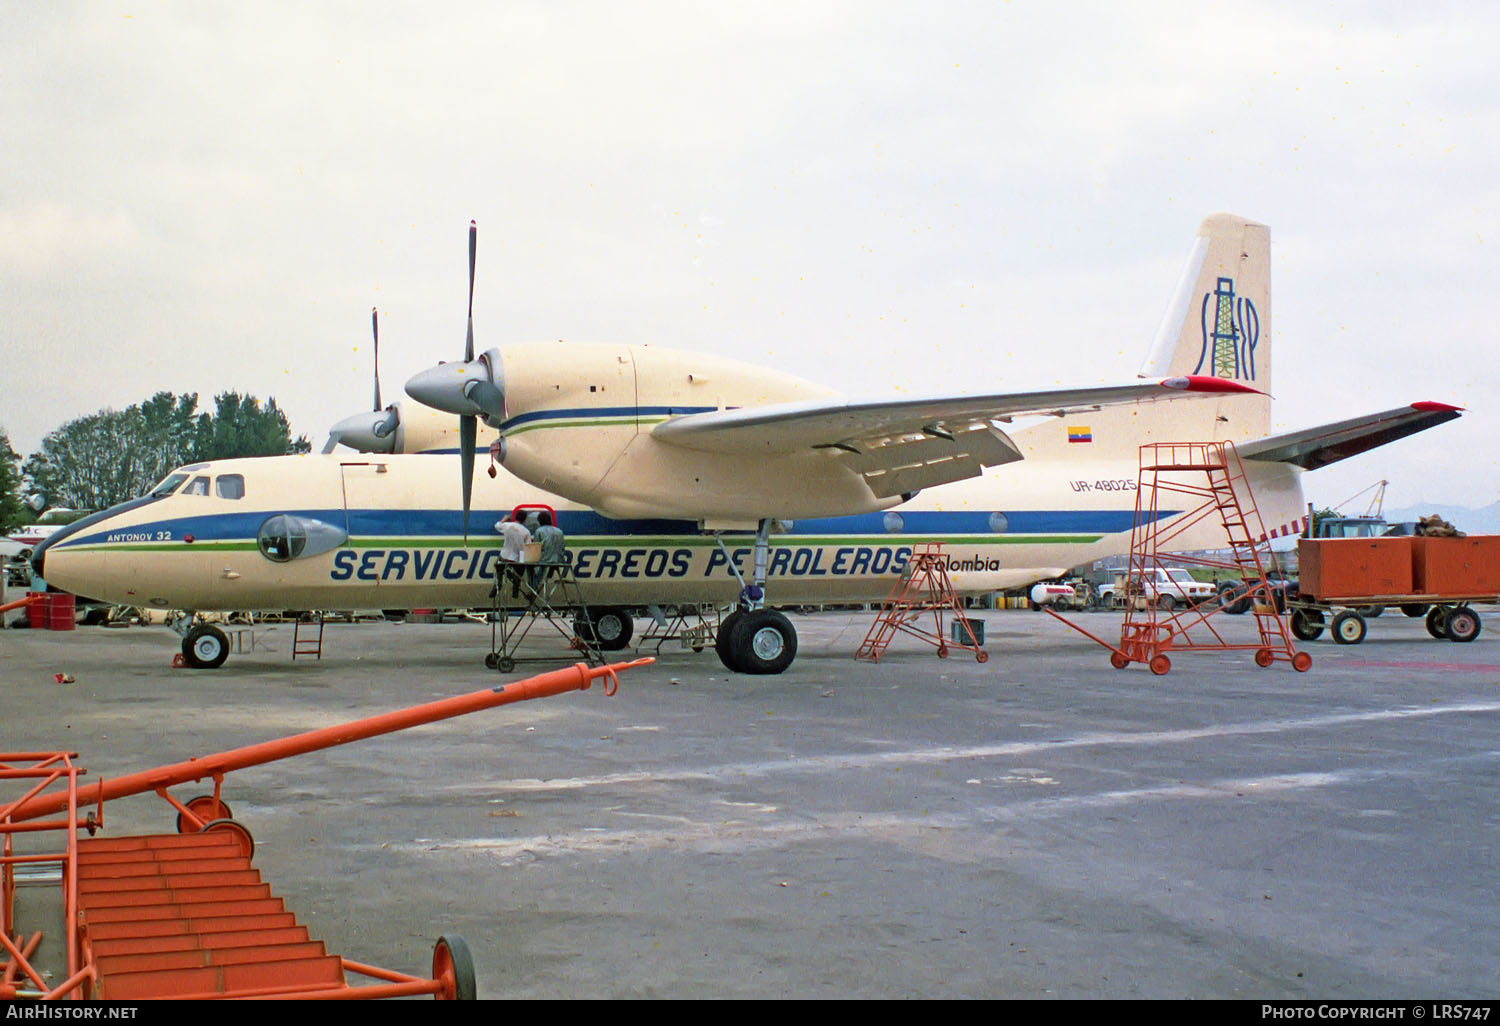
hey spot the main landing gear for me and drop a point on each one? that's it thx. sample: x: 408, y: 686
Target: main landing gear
x: 753, y: 639
x: 204, y: 646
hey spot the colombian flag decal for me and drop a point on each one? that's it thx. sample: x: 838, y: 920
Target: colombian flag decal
x: 1079, y: 434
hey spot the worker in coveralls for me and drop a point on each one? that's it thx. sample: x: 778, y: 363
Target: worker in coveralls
x: 513, y: 550
x: 553, y: 543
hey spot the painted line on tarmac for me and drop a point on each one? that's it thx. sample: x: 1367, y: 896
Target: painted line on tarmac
x: 1011, y: 749
x: 740, y: 835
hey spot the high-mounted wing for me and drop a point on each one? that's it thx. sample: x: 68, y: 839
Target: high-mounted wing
x: 1316, y: 447
x: 902, y: 445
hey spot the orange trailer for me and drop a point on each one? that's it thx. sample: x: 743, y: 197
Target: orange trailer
x: 1350, y: 579
x: 185, y: 914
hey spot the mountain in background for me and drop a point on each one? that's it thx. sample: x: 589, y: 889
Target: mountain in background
x: 1485, y: 520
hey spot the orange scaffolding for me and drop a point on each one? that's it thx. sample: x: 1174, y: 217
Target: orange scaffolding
x: 1212, y: 480
x: 924, y: 588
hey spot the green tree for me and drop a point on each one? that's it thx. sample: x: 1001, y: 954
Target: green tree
x: 12, y: 513
x: 240, y: 426
x: 113, y: 455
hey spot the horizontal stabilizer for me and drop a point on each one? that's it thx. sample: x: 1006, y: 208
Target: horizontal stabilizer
x: 1317, y: 447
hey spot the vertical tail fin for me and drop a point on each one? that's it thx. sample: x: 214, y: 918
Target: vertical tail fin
x: 1219, y: 320
x: 1218, y: 323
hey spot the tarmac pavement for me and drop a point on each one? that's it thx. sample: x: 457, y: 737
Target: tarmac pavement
x: 1040, y: 825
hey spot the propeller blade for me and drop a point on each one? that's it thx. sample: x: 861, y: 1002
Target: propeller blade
x: 473, y: 249
x: 467, y: 432
x: 375, y: 330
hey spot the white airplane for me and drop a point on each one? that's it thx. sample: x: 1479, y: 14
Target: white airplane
x: 681, y: 478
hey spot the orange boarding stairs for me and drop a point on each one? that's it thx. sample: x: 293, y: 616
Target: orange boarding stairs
x: 186, y: 915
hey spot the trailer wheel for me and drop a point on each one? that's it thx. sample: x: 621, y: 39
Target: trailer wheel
x: 236, y: 830
x: 1371, y: 612
x: 1160, y: 664
x: 1307, y: 624
x: 205, y: 647
x: 1415, y: 610
x: 453, y: 966
x: 1264, y: 657
x: 207, y: 808
x: 1348, y: 628
x: 1302, y: 662
x: 1437, y: 622
x: 1118, y: 660
x: 1463, y: 624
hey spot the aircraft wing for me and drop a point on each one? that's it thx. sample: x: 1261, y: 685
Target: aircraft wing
x: 902, y: 445
x: 1312, y: 448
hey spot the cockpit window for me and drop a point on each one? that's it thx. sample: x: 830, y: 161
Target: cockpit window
x: 168, y: 486
x: 197, y: 486
x: 230, y: 486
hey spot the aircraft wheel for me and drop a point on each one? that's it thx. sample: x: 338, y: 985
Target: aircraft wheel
x: 1415, y: 610
x: 207, y: 808
x: 763, y: 642
x: 1463, y: 624
x: 1348, y: 628
x: 205, y: 647
x: 1307, y: 624
x: 453, y: 966
x: 611, y: 628
x: 1437, y: 622
x: 725, y: 636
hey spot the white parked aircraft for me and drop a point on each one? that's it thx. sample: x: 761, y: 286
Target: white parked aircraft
x: 677, y: 476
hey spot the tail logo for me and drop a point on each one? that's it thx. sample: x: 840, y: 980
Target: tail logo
x: 1231, y: 331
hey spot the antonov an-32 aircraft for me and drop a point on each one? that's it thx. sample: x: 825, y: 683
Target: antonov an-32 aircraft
x: 682, y: 478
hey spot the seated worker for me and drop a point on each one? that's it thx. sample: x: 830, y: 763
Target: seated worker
x: 553, y: 544
x: 513, y: 550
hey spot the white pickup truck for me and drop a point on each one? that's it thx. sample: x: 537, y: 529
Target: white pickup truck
x: 1161, y: 587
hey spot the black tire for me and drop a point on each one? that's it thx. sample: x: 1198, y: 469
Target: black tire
x: 452, y: 951
x: 205, y: 647
x: 1307, y: 624
x: 1348, y: 628
x: 1463, y: 625
x: 609, y: 627
x: 763, y: 642
x: 1437, y: 622
x: 1371, y: 612
x: 1415, y: 610
x: 723, y: 639
x: 1234, y: 598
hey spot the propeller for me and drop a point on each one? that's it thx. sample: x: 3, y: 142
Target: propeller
x: 368, y: 432
x: 473, y: 390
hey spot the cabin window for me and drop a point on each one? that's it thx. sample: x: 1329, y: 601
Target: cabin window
x: 894, y: 523
x: 999, y: 523
x: 197, y: 486
x: 230, y: 486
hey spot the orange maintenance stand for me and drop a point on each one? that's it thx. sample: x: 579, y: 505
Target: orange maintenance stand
x: 185, y: 914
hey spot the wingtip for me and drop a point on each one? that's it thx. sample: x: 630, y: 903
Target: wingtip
x: 1208, y: 383
x: 1435, y: 407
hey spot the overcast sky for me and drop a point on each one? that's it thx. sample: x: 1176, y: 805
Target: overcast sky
x: 933, y: 197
